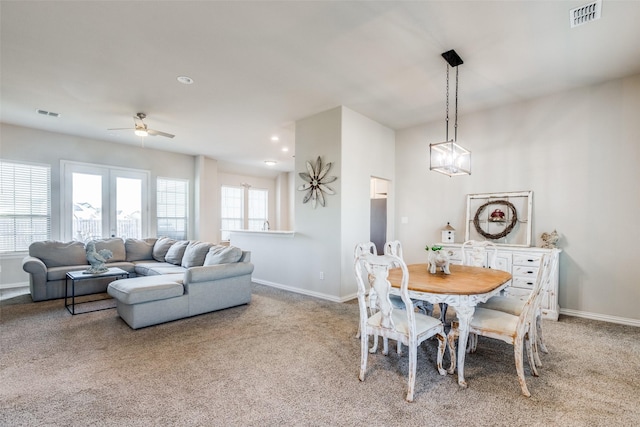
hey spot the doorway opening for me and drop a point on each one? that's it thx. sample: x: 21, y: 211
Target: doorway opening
x: 379, y: 195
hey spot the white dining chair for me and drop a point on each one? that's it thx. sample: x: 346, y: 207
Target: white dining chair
x: 515, y: 304
x: 512, y: 329
x: 479, y: 253
x: 405, y: 326
x: 370, y: 297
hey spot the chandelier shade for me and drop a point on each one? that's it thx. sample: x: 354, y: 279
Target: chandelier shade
x: 450, y: 158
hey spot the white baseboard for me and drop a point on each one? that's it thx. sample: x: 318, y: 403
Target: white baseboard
x: 601, y: 317
x: 14, y: 285
x: 301, y: 291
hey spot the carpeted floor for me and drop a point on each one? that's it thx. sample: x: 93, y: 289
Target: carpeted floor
x: 289, y: 359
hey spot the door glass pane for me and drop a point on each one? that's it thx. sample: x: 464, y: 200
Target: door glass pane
x: 128, y: 207
x: 87, y: 206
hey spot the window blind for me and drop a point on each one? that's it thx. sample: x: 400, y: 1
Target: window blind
x: 25, y: 205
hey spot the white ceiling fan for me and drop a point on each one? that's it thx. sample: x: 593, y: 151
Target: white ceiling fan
x: 141, y: 128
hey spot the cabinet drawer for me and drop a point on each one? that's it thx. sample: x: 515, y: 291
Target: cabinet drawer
x: 532, y: 260
x: 523, y: 282
x: 527, y: 272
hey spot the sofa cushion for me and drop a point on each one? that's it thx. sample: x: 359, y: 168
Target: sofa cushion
x: 222, y: 255
x: 139, y: 249
x: 115, y: 245
x: 58, y: 254
x: 176, y: 252
x: 144, y: 289
x: 143, y: 268
x: 161, y: 247
x: 173, y: 269
x: 195, y: 253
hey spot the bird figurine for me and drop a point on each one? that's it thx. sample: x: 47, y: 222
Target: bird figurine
x: 550, y: 240
x: 97, y: 258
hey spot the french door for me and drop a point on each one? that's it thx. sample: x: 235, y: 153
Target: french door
x: 103, y: 201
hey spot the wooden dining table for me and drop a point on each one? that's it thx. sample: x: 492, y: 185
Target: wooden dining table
x: 463, y: 289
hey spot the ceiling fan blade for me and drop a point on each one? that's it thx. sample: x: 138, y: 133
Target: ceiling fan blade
x: 158, y: 133
x: 121, y: 129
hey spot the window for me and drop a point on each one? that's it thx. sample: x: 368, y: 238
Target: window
x: 173, y: 208
x: 25, y: 205
x: 243, y: 208
x: 100, y: 201
x: 232, y: 214
x: 258, y: 213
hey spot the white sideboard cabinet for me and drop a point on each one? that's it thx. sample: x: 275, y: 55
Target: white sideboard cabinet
x: 523, y: 263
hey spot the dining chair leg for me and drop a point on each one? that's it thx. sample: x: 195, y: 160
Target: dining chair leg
x: 541, y: 345
x: 442, y: 343
x: 364, y: 352
x: 451, y: 338
x: 517, y: 351
x: 530, y: 347
x: 413, y: 360
x: 443, y: 312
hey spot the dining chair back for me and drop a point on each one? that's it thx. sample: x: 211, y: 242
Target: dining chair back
x: 394, y: 247
x: 479, y: 253
x: 405, y: 326
x: 512, y: 329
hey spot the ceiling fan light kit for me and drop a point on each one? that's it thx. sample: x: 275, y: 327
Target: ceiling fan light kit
x: 449, y: 157
x: 140, y: 128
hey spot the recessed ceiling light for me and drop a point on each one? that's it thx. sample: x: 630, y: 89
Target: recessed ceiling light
x: 275, y: 138
x: 285, y: 149
x: 185, y: 80
x: 270, y: 162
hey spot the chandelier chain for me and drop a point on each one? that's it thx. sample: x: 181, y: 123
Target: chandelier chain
x: 447, y: 112
x: 455, y: 126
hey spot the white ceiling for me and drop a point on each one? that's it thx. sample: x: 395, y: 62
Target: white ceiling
x: 260, y: 66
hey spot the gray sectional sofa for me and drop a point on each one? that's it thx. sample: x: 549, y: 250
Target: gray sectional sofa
x: 168, y: 279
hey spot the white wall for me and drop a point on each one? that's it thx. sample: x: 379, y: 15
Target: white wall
x: 207, y: 200
x: 326, y: 236
x: 296, y: 262
x: 578, y: 151
x: 368, y: 150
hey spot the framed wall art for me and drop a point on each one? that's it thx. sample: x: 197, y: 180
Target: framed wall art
x: 502, y: 218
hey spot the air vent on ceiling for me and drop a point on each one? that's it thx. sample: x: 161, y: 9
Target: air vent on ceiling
x: 47, y: 113
x: 584, y: 14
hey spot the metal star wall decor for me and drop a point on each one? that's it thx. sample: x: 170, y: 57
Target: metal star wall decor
x: 316, y: 183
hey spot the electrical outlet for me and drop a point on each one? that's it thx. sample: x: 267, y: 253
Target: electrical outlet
x: 322, y: 275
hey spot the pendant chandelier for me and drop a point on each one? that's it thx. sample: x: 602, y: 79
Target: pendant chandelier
x: 449, y: 157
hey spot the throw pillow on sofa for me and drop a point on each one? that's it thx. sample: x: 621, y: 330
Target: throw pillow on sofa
x: 195, y: 254
x: 139, y: 249
x: 58, y: 254
x: 222, y: 255
x: 161, y: 247
x: 115, y: 245
x: 176, y: 252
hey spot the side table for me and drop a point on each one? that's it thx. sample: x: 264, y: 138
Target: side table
x: 79, y: 276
